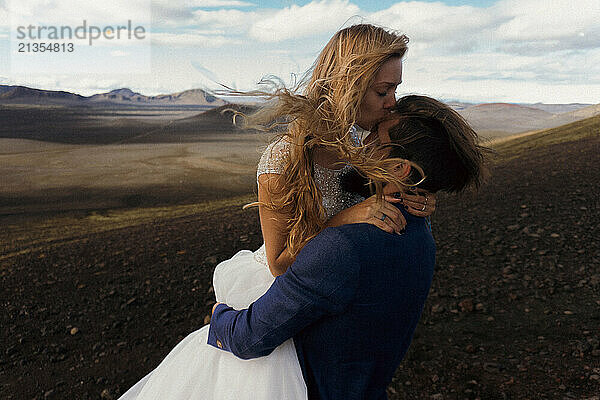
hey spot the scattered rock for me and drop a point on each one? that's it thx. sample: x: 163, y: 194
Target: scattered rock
x: 212, y: 260
x: 466, y: 305
x: 437, y: 308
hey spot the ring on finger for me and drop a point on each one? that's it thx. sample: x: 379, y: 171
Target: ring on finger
x: 383, y: 217
x: 424, y: 207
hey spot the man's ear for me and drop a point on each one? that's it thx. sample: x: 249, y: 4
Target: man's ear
x: 402, y: 170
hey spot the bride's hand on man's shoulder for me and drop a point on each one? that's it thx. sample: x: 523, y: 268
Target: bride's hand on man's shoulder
x: 419, y: 203
x: 382, y: 214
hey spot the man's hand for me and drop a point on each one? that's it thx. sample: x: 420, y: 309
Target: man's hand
x: 213, y: 309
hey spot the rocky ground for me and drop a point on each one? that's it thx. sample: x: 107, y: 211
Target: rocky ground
x: 514, y: 311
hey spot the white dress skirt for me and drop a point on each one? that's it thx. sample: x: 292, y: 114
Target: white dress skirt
x: 196, y: 370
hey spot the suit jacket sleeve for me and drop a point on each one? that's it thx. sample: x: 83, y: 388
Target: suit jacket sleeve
x: 321, y: 282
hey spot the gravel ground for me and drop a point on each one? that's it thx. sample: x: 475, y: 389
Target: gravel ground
x: 514, y: 312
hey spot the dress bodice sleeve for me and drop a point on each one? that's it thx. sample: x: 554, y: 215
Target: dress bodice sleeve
x: 274, y: 158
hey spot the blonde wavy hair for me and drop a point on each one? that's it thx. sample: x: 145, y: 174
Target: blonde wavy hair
x: 322, y: 115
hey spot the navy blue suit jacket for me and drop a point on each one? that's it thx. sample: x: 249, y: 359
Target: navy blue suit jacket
x: 351, y: 301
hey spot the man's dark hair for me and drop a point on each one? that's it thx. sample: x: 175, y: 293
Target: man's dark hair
x: 437, y: 139
x: 440, y: 141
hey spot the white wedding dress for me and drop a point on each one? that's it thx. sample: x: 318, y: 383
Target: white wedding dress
x: 196, y: 370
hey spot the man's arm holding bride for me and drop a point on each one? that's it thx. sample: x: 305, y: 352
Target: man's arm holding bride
x: 322, y: 281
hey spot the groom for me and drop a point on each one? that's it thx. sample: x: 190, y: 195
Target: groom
x: 354, y: 295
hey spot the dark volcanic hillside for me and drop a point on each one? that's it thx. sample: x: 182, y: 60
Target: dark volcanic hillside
x: 89, y: 125
x: 75, y: 125
x: 514, y: 311
x: 221, y: 116
x: 216, y: 120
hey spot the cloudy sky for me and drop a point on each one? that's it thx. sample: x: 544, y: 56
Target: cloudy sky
x: 478, y: 51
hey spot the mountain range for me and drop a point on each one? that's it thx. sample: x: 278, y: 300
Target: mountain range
x: 498, y: 118
x: 124, y: 96
x: 488, y: 119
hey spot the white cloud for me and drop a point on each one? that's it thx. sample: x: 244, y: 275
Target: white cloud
x: 507, y: 51
x: 3, y: 16
x: 75, y: 11
x: 496, y: 76
x: 192, y: 38
x: 436, y: 22
x: 186, y: 4
x: 166, y: 15
x: 539, y: 26
x: 547, y: 19
x: 311, y: 19
x: 191, y: 12
x: 119, y: 53
x: 235, y: 21
x: 222, y: 3
x: 512, y: 26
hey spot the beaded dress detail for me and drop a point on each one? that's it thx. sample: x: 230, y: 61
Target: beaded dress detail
x: 329, y: 181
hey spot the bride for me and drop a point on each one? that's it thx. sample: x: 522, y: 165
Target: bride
x: 351, y: 88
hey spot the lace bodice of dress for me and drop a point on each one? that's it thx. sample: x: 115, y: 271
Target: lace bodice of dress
x: 329, y: 181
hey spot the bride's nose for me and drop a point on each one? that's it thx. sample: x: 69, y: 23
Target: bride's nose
x: 390, y: 102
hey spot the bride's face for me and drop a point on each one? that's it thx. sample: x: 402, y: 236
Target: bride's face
x: 380, y: 97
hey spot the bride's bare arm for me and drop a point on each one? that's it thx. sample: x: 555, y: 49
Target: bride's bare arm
x: 273, y: 224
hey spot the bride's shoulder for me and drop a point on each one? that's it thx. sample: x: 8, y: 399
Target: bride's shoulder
x: 275, y: 157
